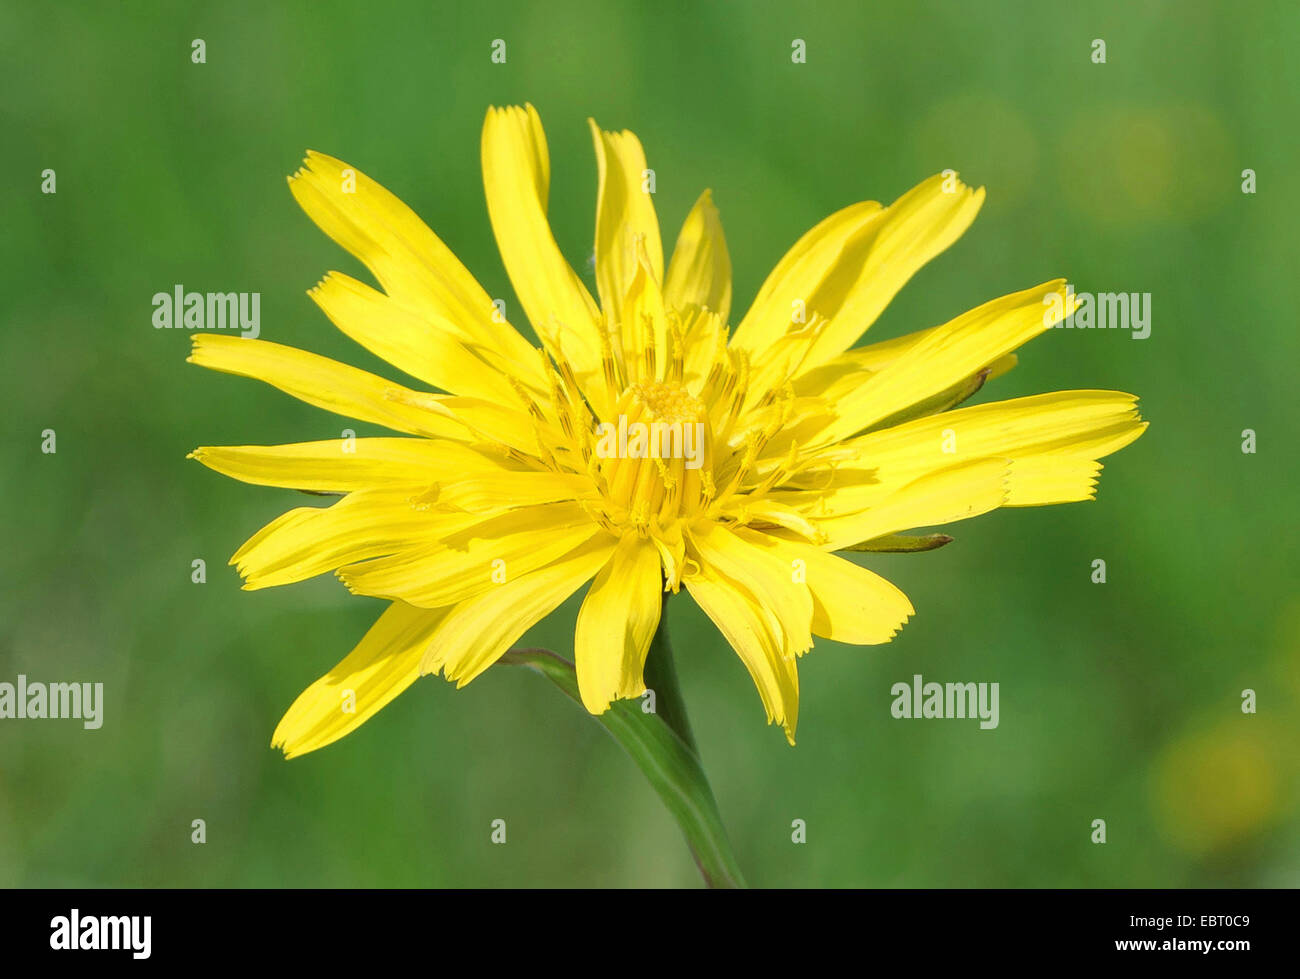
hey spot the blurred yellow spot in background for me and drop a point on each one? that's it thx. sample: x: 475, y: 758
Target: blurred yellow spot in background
x: 1216, y: 788
x: 1128, y: 165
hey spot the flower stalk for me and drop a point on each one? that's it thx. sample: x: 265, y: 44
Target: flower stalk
x: 662, y: 746
x: 661, y: 677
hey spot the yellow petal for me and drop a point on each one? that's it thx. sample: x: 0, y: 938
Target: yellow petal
x: 1070, y: 427
x: 768, y: 511
x: 499, y: 488
x: 625, y: 216
x: 736, y: 613
x: 484, y: 555
x: 871, y: 357
x: 853, y: 368
x: 955, y: 493
x: 616, y: 623
x: 487, y: 422
x: 877, y: 263
x: 850, y: 603
x: 847, y: 269
x: 425, y: 349
x: 1079, y: 423
x: 383, y: 664
x: 746, y: 558
x: 334, y: 465
x: 670, y: 542
x: 412, y: 264
x: 516, y: 178
x: 797, y: 276
x: 699, y: 273
x: 644, y: 325
x: 324, y: 383
x: 705, y: 334
x: 480, y: 629
x: 947, y: 356
x: 308, y: 541
x: 1046, y: 479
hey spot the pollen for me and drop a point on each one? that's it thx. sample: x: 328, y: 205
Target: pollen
x: 654, y: 454
x: 667, y: 403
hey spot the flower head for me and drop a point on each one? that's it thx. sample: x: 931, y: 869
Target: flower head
x: 646, y: 445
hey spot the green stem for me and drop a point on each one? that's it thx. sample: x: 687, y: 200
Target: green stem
x: 661, y: 677
x: 664, y: 750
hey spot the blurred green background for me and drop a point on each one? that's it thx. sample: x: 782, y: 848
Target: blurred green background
x: 1118, y: 701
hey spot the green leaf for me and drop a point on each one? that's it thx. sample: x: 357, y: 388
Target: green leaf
x: 670, y: 765
x: 901, y: 543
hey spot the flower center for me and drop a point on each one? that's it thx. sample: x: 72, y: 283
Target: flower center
x: 654, y: 454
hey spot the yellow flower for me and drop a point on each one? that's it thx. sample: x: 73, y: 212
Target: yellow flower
x: 773, y: 444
